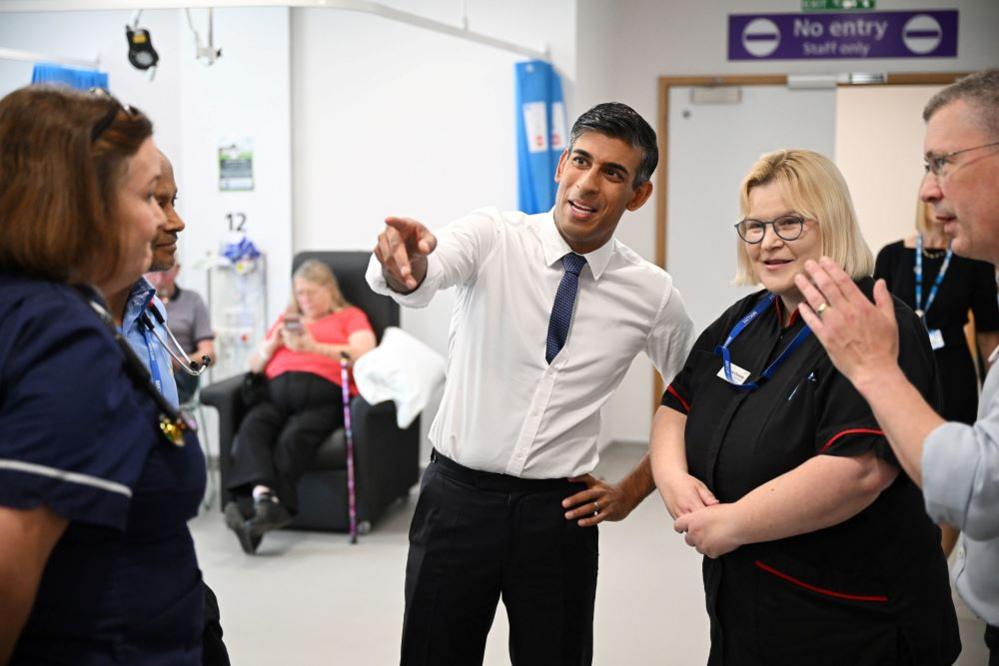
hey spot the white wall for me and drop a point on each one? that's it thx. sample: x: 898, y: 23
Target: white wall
x: 879, y: 149
x: 646, y: 39
x: 244, y: 95
x: 394, y: 119
x: 597, y: 62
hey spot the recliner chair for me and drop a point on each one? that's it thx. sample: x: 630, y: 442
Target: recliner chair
x: 386, y: 459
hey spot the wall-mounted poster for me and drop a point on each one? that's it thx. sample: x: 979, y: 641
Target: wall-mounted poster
x: 236, y: 165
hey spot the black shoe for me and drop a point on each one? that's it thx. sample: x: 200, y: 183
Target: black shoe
x: 235, y: 521
x: 269, y: 515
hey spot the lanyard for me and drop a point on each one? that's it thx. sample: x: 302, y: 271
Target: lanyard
x: 172, y: 422
x: 739, y: 327
x: 171, y: 345
x: 154, y: 368
x: 921, y: 309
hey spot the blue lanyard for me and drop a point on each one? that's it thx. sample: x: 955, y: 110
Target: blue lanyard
x: 921, y: 309
x: 154, y: 368
x: 739, y: 327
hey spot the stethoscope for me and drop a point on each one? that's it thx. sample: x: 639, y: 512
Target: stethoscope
x: 187, y: 364
x: 173, y: 423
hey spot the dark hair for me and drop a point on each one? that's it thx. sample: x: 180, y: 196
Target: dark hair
x: 59, y: 183
x: 620, y: 121
x: 979, y: 90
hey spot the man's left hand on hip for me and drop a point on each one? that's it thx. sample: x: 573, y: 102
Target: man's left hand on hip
x: 599, y: 502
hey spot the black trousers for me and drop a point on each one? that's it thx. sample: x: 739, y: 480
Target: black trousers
x: 477, y: 537
x: 213, y: 650
x: 992, y: 641
x: 278, y: 438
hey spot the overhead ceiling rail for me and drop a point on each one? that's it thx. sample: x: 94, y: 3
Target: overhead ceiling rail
x: 364, y: 6
x: 28, y: 56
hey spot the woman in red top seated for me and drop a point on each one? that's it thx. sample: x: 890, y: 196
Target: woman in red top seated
x: 279, y: 436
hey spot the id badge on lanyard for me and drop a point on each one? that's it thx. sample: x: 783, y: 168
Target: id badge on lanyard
x: 936, y: 339
x: 936, y: 335
x: 154, y: 368
x: 738, y: 377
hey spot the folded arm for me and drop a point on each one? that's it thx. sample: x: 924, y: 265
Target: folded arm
x: 680, y: 492
x: 823, y: 491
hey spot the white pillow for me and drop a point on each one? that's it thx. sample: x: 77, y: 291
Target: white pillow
x: 401, y: 369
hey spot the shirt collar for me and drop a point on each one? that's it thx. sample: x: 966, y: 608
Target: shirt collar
x: 555, y: 247
x: 140, y: 296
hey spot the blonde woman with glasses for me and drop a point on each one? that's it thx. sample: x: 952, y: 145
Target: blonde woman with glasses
x: 816, y: 550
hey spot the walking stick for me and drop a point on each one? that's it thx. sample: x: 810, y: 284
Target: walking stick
x: 351, y: 497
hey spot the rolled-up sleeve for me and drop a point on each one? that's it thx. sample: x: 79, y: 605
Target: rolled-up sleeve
x: 961, y: 474
x: 672, y: 335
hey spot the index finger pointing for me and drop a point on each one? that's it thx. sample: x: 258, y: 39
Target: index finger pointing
x: 406, y: 226
x: 401, y: 258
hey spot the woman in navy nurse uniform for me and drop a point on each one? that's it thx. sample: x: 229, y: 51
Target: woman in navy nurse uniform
x: 97, y: 565
x: 817, y: 551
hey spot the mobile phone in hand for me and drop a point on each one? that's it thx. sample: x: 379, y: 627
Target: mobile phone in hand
x: 293, y: 324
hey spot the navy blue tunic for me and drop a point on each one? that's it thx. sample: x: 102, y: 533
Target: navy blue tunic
x: 122, y: 584
x: 872, y: 590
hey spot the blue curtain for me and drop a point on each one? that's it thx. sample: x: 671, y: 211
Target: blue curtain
x: 84, y: 79
x: 541, y: 134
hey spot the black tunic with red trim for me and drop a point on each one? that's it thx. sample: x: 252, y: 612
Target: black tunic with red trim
x: 871, y: 590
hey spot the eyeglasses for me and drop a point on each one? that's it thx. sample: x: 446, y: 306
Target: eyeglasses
x: 104, y: 123
x: 937, y: 164
x: 787, y: 227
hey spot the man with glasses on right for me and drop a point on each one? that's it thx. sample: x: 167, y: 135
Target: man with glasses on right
x: 956, y: 465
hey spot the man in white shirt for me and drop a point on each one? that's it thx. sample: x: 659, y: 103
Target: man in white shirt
x: 551, y: 310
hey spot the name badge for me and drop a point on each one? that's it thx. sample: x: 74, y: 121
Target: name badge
x: 936, y: 339
x: 739, y: 375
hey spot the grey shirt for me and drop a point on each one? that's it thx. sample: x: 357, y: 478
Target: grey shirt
x: 188, y: 319
x: 961, y: 487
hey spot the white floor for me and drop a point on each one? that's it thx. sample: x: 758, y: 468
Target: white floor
x: 312, y: 598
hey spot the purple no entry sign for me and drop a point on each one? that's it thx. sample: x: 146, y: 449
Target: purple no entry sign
x: 919, y: 34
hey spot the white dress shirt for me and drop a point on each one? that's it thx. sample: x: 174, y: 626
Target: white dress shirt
x: 504, y: 408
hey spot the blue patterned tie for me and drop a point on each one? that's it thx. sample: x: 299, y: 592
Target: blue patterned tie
x: 565, y: 297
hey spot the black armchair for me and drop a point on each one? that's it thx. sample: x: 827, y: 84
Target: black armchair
x: 386, y: 459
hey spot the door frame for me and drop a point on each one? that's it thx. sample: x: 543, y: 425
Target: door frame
x: 665, y: 83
